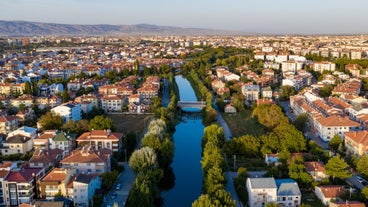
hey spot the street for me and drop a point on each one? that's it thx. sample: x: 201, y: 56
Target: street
x: 126, y: 179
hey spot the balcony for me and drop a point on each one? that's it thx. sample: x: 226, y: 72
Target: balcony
x: 25, y: 187
x: 25, y: 195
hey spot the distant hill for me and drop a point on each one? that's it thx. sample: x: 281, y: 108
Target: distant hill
x: 24, y: 28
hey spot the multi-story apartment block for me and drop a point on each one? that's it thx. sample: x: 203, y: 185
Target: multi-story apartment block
x: 8, y: 123
x: 327, y: 127
x: 322, y: 66
x: 69, y: 111
x: 21, y: 186
x: 113, y: 103
x: 357, y: 142
x: 251, y: 92
x: 54, y: 182
x: 100, y: 139
x: 87, y: 160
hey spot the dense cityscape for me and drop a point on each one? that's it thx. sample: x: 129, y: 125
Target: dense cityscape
x: 94, y: 120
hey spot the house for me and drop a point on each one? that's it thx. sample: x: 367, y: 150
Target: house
x: 22, y: 185
x: 316, y: 170
x: 63, y: 141
x: 229, y: 109
x: 261, y: 191
x: 272, y: 159
x: 327, y: 127
x: 284, y: 192
x: 288, y: 192
x: 54, y: 182
x: 251, y: 92
x: 357, y: 142
x: 69, y: 111
x: 24, y: 131
x: 46, y: 158
x: 93, y: 99
x: 16, y: 144
x: 135, y: 98
x: 88, y: 160
x: 84, y: 187
x: 328, y: 192
x: 267, y: 92
x: 8, y: 123
x: 100, y: 139
x: 26, y: 100
x: 347, y: 204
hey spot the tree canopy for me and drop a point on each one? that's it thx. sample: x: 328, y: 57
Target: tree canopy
x: 101, y: 122
x: 337, y: 168
x: 50, y: 121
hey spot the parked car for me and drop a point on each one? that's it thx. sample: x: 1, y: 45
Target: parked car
x: 114, y: 195
x: 360, y: 179
x: 118, y: 186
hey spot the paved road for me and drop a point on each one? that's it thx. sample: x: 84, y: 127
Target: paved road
x: 221, y: 121
x: 231, y: 188
x: 126, y: 179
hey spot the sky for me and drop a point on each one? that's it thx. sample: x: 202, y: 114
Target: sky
x: 255, y: 16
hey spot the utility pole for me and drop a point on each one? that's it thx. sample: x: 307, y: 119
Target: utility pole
x: 234, y: 161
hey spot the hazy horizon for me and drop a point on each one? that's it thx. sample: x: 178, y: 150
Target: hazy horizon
x: 264, y: 16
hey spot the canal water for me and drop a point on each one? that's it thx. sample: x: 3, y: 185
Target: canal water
x: 186, y: 163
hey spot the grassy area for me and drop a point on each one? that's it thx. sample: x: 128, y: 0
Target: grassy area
x: 242, y: 123
x: 310, y: 198
x: 130, y: 122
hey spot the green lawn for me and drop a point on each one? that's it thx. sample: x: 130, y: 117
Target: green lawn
x: 242, y: 123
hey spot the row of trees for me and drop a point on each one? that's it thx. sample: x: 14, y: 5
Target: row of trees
x: 202, y: 92
x: 150, y: 163
x: 213, y: 167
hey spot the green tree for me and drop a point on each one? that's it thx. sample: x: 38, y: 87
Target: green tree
x: 246, y: 145
x: 298, y: 172
x: 143, y: 160
x: 27, y: 88
x: 102, y: 122
x: 109, y: 178
x: 335, y: 142
x: 362, y: 166
x: 336, y: 167
x: 365, y: 193
x: 50, y: 121
x: 75, y: 127
x: 22, y: 107
x: 65, y: 95
x: 286, y: 92
x: 215, y: 134
x: 270, y: 116
x: 300, y: 121
x: 34, y: 88
x: 272, y: 205
x: 325, y: 91
x: 203, y: 201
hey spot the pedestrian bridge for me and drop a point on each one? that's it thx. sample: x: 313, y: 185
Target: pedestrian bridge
x: 191, y: 104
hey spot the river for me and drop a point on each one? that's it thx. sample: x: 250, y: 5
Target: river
x: 186, y: 163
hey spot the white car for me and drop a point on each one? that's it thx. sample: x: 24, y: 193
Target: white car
x: 118, y: 186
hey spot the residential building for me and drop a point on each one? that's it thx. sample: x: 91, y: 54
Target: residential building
x: 84, y: 187
x: 24, y: 131
x: 54, y: 182
x: 8, y: 123
x: 267, y: 92
x: 16, y: 144
x: 69, y: 111
x: 327, y: 127
x: 22, y: 185
x: 288, y: 192
x: 322, y: 66
x: 261, y: 191
x: 88, y: 160
x: 357, y: 142
x: 229, y: 109
x: 113, y: 103
x: 347, y: 204
x: 100, y: 139
x: 3, y: 174
x: 316, y: 170
x: 43, y: 158
x: 251, y: 92
x: 328, y: 192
